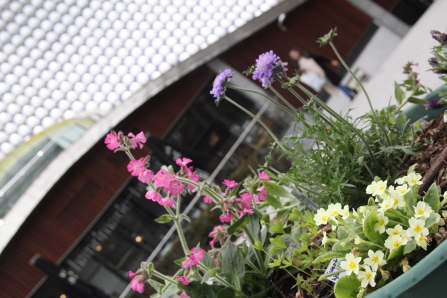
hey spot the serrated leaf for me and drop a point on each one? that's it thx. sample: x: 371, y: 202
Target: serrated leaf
x: 233, y: 265
x: 258, y: 245
x: 432, y: 197
x: 237, y: 224
x: 329, y: 256
x: 275, y: 189
x: 277, y: 228
x: 347, y: 287
x: 295, y: 215
x: 278, y: 242
x: 197, y: 290
x: 165, y: 218
x: 368, y: 228
x: 409, y: 247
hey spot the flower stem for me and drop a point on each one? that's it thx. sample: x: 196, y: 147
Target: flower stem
x: 288, y: 109
x: 259, y: 121
x: 179, y: 229
x: 164, y: 277
x: 257, y: 252
x: 373, y: 112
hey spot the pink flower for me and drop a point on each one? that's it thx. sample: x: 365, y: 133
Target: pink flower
x: 261, y: 195
x: 184, y: 295
x: 167, y: 202
x: 131, y: 275
x: 137, y: 140
x: 137, y: 285
x: 112, y: 142
x: 263, y: 176
x: 183, y: 280
x: 230, y: 183
x: 207, y: 200
x: 183, y: 162
x: 194, y: 258
x: 163, y: 178
x: 146, y: 176
x: 135, y: 167
x: 175, y: 187
x: 245, y: 211
x: 194, y: 177
x: 218, y: 234
x: 153, y: 196
x: 245, y: 200
x: 226, y: 217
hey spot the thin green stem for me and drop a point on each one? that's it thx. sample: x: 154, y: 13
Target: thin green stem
x: 164, y: 277
x: 257, y: 252
x: 179, y: 229
x: 285, y: 101
x: 364, y: 91
x: 259, y: 121
x: 288, y: 109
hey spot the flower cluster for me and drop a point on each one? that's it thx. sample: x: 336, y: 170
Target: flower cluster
x: 219, y: 84
x: 395, y: 220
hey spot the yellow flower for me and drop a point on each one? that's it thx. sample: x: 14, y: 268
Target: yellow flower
x: 413, y: 179
x: 321, y: 217
x: 397, y: 230
x: 417, y: 227
x: 375, y: 259
x: 422, y: 210
x: 381, y: 225
x: 367, y: 277
x: 351, y: 264
x: 394, y: 242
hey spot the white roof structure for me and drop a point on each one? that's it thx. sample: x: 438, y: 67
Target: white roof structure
x: 60, y: 59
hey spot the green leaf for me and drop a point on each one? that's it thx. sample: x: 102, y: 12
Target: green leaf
x: 329, y: 256
x: 210, y: 273
x: 275, y: 189
x: 409, y: 247
x: 398, y: 93
x: 396, y: 215
x: 431, y: 220
x: 273, y: 201
x: 207, y: 261
x: 368, y: 228
x: 155, y: 284
x: 347, y: 287
x: 342, y: 232
x: 197, y: 290
x: 258, y: 245
x: 411, y: 169
x: 226, y: 293
x: 165, y: 218
x: 277, y: 228
x: 241, y: 221
x: 295, y: 215
x: 170, y: 291
x: 253, y: 226
x: 411, y: 198
x: 234, y: 191
x: 417, y: 101
x: 396, y: 253
x: 327, y: 275
x: 432, y: 197
x: 233, y: 265
x: 185, y: 217
x: 278, y: 242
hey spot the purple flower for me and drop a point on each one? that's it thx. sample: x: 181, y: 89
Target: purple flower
x: 267, y: 66
x: 434, y: 104
x: 219, y: 83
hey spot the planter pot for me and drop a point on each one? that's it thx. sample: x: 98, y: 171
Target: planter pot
x: 426, y: 279
x: 416, y: 112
